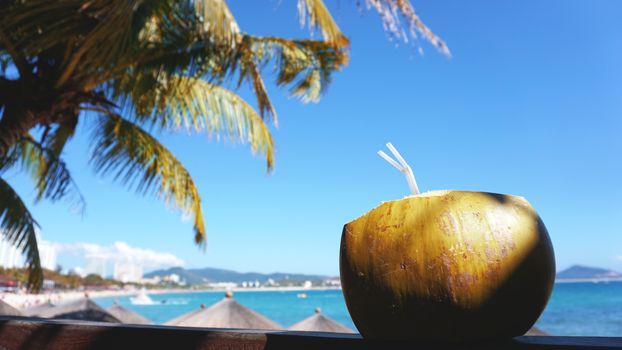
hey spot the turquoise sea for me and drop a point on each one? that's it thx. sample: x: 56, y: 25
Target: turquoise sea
x: 574, y: 308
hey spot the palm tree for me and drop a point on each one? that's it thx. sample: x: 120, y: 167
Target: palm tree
x: 134, y: 68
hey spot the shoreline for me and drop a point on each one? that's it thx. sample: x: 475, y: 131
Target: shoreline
x: 240, y: 290
x: 23, y: 301
x: 589, y: 280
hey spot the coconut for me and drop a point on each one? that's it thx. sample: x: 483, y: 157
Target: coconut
x: 447, y: 265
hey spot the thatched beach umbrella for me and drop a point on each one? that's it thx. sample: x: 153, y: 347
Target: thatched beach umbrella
x: 126, y: 316
x: 8, y: 310
x: 226, y: 313
x: 83, y: 309
x: 39, y: 309
x: 536, y: 331
x: 320, y: 323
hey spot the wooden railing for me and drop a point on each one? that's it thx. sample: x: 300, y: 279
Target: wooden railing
x: 31, y: 333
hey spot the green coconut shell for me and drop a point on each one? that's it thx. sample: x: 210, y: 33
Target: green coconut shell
x: 447, y: 265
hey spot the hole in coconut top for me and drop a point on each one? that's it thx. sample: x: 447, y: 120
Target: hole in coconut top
x: 435, y: 193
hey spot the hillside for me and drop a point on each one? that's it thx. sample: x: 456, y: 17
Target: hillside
x: 586, y: 272
x: 212, y: 275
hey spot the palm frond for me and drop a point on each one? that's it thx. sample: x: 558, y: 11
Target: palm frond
x: 40, y: 25
x: 57, y: 140
x: 305, y: 65
x: 201, y: 106
x: 52, y: 177
x: 391, y: 12
x: 109, y: 39
x: 18, y: 226
x: 318, y: 16
x: 16, y: 56
x: 94, y: 35
x: 181, y: 102
x: 249, y: 71
x: 182, y: 43
x: 137, y: 159
x: 217, y: 21
x: 9, y: 159
x: 5, y: 61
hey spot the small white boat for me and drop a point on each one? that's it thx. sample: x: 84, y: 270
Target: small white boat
x: 302, y: 295
x: 142, y: 298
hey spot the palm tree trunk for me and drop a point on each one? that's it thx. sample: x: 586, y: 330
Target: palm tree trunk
x: 15, y: 123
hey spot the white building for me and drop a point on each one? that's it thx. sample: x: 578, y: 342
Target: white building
x: 10, y: 255
x: 127, y: 272
x: 151, y: 280
x: 173, y: 278
x: 77, y: 271
x: 47, y: 254
x: 223, y: 285
x: 95, y: 264
x: 333, y: 282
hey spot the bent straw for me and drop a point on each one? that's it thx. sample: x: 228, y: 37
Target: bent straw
x: 397, y: 154
x: 402, y: 167
x: 390, y: 160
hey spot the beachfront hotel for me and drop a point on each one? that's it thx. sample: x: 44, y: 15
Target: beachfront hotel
x: 11, y: 256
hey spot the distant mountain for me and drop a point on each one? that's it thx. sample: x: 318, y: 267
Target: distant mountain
x: 211, y: 275
x: 586, y: 272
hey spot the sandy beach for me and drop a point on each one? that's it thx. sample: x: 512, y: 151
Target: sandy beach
x: 25, y: 300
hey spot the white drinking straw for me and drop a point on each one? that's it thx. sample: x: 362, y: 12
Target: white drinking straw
x: 390, y: 160
x: 401, y: 166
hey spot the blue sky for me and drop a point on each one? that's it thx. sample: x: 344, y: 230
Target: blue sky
x: 530, y: 104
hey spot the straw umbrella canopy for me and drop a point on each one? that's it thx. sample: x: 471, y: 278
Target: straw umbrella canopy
x: 537, y: 331
x: 320, y: 323
x: 125, y: 315
x: 39, y: 309
x: 83, y: 309
x: 226, y: 313
x: 8, y: 310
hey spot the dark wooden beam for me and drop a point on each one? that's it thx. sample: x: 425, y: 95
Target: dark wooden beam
x: 31, y: 333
